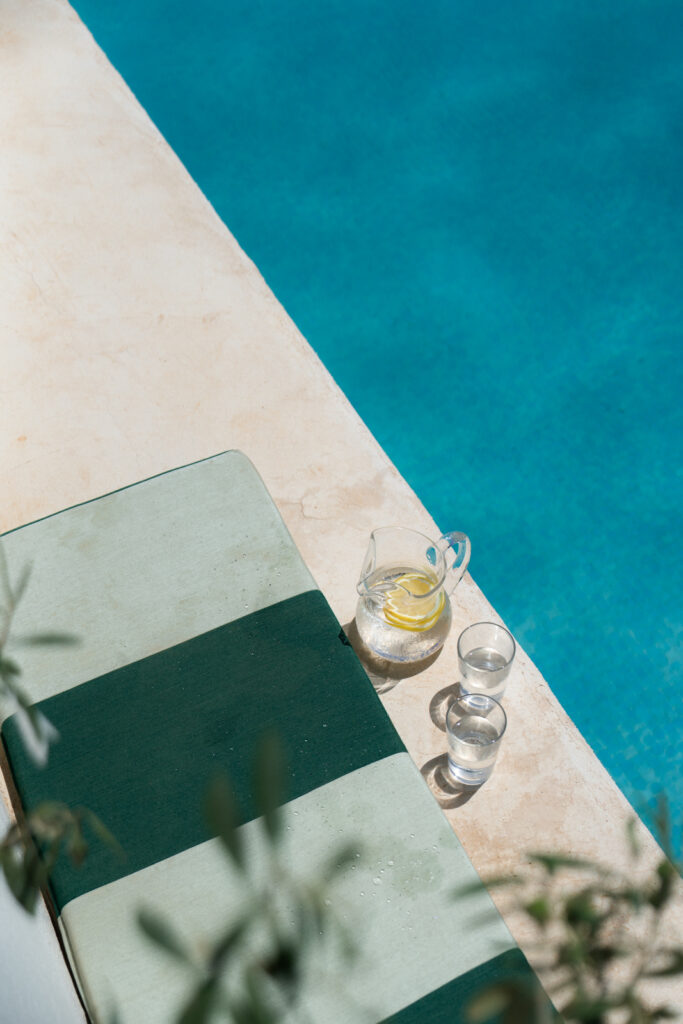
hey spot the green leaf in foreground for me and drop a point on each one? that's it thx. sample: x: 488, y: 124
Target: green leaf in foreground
x: 473, y: 888
x: 105, y: 835
x: 490, y: 1003
x: 47, y: 640
x: 269, y: 780
x: 31, y: 847
x: 8, y: 669
x: 539, y: 910
x: 632, y: 837
x: 225, y: 946
x: 200, y: 1006
x: 222, y: 815
x: 552, y: 863
x: 666, y: 873
x: 592, y: 929
x: 162, y: 935
x: 340, y: 861
x: 670, y: 969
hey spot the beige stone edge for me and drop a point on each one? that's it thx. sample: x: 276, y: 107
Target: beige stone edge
x: 137, y: 336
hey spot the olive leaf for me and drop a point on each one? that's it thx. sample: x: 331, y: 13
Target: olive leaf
x: 53, y: 639
x: 269, y: 783
x: 223, y: 817
x: 200, y: 1006
x: 251, y: 973
x: 162, y: 934
x: 584, y: 931
x: 31, y: 847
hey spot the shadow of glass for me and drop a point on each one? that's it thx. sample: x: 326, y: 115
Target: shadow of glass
x: 384, y: 674
x: 440, y: 703
x: 448, y: 793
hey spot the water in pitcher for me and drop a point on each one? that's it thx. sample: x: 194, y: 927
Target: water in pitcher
x: 399, y: 618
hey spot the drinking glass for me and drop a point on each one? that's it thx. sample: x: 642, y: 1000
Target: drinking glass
x: 485, y: 655
x: 475, y: 724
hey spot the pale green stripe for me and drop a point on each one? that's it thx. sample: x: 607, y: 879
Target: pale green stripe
x: 148, y: 567
x: 412, y: 936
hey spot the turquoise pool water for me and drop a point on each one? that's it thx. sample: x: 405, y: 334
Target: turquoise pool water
x: 473, y: 212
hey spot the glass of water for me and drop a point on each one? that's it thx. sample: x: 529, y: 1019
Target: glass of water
x: 485, y: 655
x: 475, y: 724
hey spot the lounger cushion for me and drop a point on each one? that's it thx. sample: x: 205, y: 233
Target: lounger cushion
x: 200, y: 628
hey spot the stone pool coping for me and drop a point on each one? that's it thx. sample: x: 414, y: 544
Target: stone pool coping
x: 137, y: 336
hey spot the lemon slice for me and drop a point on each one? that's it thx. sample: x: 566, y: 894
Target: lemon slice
x: 406, y: 606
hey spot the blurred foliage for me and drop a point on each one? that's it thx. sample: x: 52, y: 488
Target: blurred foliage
x: 598, y: 931
x: 599, y: 936
x: 253, y: 971
x: 31, y: 846
x: 36, y: 731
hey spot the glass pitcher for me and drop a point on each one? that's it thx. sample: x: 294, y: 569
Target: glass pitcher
x: 403, y: 612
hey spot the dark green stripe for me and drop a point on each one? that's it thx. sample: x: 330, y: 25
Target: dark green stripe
x: 139, y: 744
x: 448, y: 1004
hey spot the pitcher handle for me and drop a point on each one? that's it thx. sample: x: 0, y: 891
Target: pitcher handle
x: 459, y: 544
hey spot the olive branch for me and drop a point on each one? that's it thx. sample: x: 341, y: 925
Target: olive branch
x: 32, y: 845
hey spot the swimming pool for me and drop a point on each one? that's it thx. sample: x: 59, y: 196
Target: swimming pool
x: 472, y: 211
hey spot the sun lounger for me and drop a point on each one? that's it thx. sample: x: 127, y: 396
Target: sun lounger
x: 200, y: 627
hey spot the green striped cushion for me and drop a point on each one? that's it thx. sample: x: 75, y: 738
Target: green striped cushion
x: 448, y: 1004
x: 201, y: 627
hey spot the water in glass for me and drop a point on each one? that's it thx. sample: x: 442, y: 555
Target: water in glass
x: 484, y: 670
x: 472, y: 749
